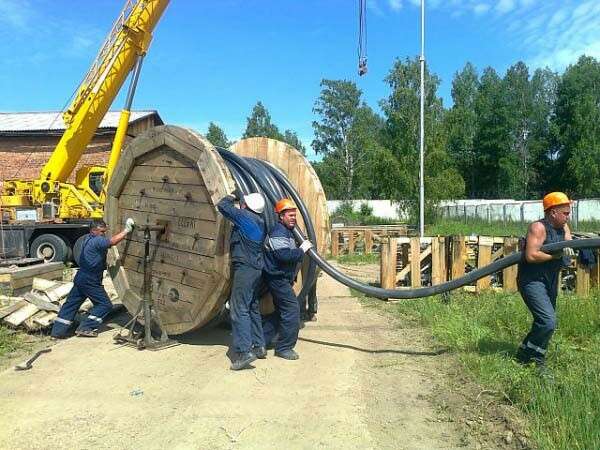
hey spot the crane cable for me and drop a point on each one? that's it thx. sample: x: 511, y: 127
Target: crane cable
x: 253, y: 175
x: 362, y: 37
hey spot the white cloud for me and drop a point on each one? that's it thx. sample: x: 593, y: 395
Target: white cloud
x: 14, y: 13
x: 480, y: 8
x: 396, y: 5
x: 505, y: 6
x: 570, y: 32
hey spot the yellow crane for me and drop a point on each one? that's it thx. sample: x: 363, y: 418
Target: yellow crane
x: 63, y: 209
x: 122, y: 52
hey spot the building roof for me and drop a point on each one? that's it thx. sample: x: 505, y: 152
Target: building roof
x: 51, y: 122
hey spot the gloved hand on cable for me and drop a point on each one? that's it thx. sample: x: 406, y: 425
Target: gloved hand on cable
x: 129, y: 225
x: 306, y: 245
x: 567, y: 252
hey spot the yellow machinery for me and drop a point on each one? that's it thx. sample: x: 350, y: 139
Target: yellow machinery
x: 50, y: 195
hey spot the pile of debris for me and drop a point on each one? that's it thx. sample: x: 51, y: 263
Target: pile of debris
x: 35, y: 310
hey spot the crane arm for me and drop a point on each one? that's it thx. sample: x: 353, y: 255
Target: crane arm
x: 129, y: 38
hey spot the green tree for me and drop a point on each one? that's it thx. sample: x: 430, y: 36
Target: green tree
x: 259, y: 124
x: 345, y: 130
x: 216, y: 136
x: 401, y: 111
x: 461, y: 123
x: 491, y: 138
x: 291, y: 137
x: 577, y: 125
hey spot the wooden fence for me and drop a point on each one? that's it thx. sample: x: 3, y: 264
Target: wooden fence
x: 362, y: 239
x: 415, y: 262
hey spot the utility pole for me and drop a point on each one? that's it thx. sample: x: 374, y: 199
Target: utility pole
x: 422, y: 129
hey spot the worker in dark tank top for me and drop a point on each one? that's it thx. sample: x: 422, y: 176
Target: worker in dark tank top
x: 539, y: 273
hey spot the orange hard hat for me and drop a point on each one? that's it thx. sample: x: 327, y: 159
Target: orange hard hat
x: 555, y: 199
x: 283, y: 204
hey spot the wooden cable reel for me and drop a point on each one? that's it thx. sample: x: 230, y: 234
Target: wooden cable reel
x: 174, y: 176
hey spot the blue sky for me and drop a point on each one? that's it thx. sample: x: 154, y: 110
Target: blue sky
x: 212, y: 60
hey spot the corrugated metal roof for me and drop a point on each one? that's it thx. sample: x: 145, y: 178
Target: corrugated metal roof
x: 52, y: 121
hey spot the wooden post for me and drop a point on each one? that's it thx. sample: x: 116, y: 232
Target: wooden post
x: 335, y: 243
x: 388, y: 262
x: 415, y: 262
x: 438, y: 260
x: 582, y: 282
x: 459, y: 256
x: 595, y: 275
x: 351, y: 242
x: 509, y: 275
x: 368, y: 242
x: 484, y: 257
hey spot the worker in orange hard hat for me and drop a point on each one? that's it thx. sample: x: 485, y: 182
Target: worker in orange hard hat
x: 282, y: 262
x: 538, y: 275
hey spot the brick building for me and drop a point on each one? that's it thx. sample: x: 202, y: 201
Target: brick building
x: 28, y: 139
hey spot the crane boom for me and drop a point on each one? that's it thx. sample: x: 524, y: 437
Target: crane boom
x: 129, y: 38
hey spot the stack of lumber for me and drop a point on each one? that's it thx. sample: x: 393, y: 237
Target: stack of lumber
x: 35, y: 310
x: 18, y: 278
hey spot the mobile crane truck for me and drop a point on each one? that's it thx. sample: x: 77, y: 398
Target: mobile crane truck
x: 63, y: 211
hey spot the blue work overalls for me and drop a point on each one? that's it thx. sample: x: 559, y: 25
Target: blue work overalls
x: 538, y: 285
x: 246, y: 251
x: 87, y: 284
x: 282, y: 262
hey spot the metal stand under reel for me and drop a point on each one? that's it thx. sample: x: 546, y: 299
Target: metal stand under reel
x: 143, y: 338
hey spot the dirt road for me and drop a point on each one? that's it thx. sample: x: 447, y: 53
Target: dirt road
x: 361, y: 382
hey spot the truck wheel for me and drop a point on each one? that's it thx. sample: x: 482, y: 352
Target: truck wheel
x: 50, y: 247
x: 78, y: 247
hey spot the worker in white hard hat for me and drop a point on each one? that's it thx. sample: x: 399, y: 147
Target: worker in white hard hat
x: 246, y: 251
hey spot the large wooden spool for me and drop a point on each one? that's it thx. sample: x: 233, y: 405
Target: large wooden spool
x: 174, y: 176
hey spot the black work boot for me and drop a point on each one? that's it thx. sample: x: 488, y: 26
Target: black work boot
x: 243, y: 361
x: 523, y: 355
x: 288, y: 354
x: 260, y: 352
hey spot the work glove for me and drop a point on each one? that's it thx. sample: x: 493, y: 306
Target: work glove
x: 566, y: 252
x: 306, y: 246
x: 129, y: 224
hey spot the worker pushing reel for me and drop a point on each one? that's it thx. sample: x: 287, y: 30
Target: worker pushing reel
x: 146, y: 312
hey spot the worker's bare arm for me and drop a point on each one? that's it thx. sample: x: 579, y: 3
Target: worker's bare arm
x: 536, y: 235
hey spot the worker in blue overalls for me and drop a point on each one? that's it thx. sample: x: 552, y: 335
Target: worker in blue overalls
x: 88, y: 283
x: 539, y: 273
x: 282, y: 262
x: 246, y: 251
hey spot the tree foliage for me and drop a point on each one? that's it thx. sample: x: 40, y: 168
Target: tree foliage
x: 216, y: 136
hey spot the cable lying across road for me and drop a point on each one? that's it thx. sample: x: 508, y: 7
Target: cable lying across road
x: 253, y: 175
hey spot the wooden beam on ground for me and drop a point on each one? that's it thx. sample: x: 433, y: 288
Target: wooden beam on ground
x: 9, y: 309
x: 509, y: 275
x: 389, y: 255
x: 484, y: 258
x: 19, y: 316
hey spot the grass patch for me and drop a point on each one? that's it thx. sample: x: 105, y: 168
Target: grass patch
x: 485, y: 331
x: 449, y: 227
x: 371, y: 258
x: 10, y: 341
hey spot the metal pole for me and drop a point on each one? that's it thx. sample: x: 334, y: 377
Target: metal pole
x: 422, y: 129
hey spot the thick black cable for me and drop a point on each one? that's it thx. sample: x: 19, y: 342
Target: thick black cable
x: 232, y: 159
x: 430, y: 290
x: 372, y: 291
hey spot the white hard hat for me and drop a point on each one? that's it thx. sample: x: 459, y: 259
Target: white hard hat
x: 255, y: 202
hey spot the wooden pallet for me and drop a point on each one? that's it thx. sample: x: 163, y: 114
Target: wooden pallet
x: 19, y: 279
